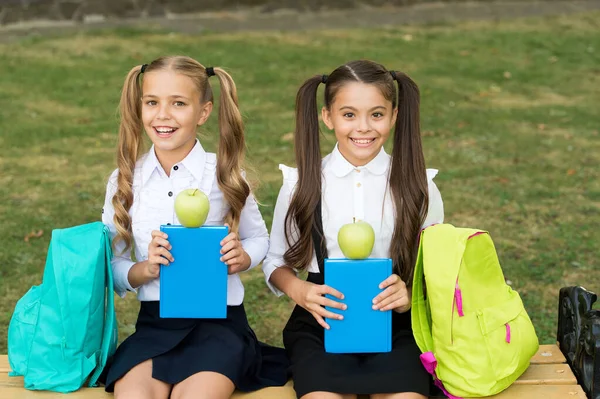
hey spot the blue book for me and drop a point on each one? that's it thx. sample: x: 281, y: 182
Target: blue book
x: 363, y: 330
x: 195, y: 284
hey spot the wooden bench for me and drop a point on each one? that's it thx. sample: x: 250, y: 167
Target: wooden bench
x: 548, y: 377
x: 551, y: 375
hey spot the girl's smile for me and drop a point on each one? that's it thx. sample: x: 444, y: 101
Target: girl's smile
x: 164, y: 131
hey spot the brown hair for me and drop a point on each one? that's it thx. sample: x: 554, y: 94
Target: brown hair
x: 130, y: 144
x: 407, y: 177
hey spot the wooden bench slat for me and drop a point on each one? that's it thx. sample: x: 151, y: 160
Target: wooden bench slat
x: 547, y: 374
x: 548, y: 354
x: 541, y: 392
x: 20, y: 393
x: 6, y: 381
x: 536, y: 374
x: 548, y: 377
x: 4, y: 366
x: 514, y: 392
x: 16, y: 383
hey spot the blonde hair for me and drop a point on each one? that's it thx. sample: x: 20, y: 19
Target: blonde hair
x: 230, y: 155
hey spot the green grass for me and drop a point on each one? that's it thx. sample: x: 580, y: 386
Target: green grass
x: 509, y: 115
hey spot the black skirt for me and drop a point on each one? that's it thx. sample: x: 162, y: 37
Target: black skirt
x: 313, y: 369
x: 180, y: 348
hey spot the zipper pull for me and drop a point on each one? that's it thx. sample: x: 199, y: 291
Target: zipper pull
x: 63, y: 347
x: 458, y: 299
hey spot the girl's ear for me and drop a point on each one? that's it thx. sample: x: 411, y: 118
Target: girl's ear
x: 205, y: 111
x: 326, y: 116
x: 394, y: 116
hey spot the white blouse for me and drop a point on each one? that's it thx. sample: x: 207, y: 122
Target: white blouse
x: 153, y: 205
x: 348, y: 192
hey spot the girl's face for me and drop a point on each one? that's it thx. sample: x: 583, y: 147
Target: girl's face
x: 171, y: 112
x: 361, y: 118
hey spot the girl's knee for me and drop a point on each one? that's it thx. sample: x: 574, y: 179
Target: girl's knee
x: 197, y: 393
x: 204, y: 385
x: 138, y: 383
x: 137, y: 391
x: 404, y: 395
x: 327, y: 395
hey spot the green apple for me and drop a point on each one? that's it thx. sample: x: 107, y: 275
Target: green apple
x: 356, y: 240
x: 191, y: 207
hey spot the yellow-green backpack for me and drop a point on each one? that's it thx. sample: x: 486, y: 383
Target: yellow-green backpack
x: 475, y: 336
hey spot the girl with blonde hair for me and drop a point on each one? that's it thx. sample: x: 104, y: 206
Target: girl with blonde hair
x: 205, y: 358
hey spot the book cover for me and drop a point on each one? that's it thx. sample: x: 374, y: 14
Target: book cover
x: 195, y: 284
x: 363, y: 330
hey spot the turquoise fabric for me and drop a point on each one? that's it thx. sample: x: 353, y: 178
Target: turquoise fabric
x: 63, y: 331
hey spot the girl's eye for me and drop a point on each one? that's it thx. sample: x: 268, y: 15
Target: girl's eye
x: 151, y: 102
x: 348, y: 115
x: 377, y: 114
x: 179, y: 104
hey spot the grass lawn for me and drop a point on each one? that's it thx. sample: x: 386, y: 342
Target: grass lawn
x: 509, y: 116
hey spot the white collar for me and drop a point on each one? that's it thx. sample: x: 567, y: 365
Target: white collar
x: 194, y: 162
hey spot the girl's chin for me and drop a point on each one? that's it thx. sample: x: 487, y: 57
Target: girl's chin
x: 172, y: 143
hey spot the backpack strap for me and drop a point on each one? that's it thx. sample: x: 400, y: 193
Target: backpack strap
x: 420, y: 312
x: 318, y: 238
x: 441, y: 250
x: 449, y: 253
x: 57, y: 273
x: 109, y: 338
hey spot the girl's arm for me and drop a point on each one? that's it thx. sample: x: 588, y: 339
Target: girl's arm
x: 308, y: 295
x: 283, y: 279
x: 128, y: 275
x: 286, y: 280
x: 278, y: 246
x: 121, y: 262
x: 158, y: 254
x: 253, y: 233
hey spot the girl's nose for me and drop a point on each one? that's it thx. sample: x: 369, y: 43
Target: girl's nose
x: 364, y: 126
x: 163, y: 113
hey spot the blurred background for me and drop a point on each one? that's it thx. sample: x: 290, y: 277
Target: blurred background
x: 510, y: 94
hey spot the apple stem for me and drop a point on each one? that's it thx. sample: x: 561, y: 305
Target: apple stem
x: 354, y: 220
x: 194, y: 192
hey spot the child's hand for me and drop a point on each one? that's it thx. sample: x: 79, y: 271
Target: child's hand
x: 158, y: 254
x: 311, y: 297
x: 394, y: 297
x: 234, y: 256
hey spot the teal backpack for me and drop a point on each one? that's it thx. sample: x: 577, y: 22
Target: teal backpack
x: 475, y: 336
x: 63, y: 331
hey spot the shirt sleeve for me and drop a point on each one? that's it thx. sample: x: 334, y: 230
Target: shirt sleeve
x: 435, y: 212
x: 279, y: 243
x: 121, y: 262
x: 253, y: 232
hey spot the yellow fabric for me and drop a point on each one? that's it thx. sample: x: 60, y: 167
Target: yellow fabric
x: 473, y: 356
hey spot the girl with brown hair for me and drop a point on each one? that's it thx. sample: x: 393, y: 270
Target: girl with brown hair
x: 357, y: 180
x: 167, y: 100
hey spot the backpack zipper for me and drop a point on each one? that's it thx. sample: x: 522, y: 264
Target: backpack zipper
x: 458, y: 299
x: 458, y: 302
x: 63, y: 347
x: 459, y: 307
x: 62, y: 299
